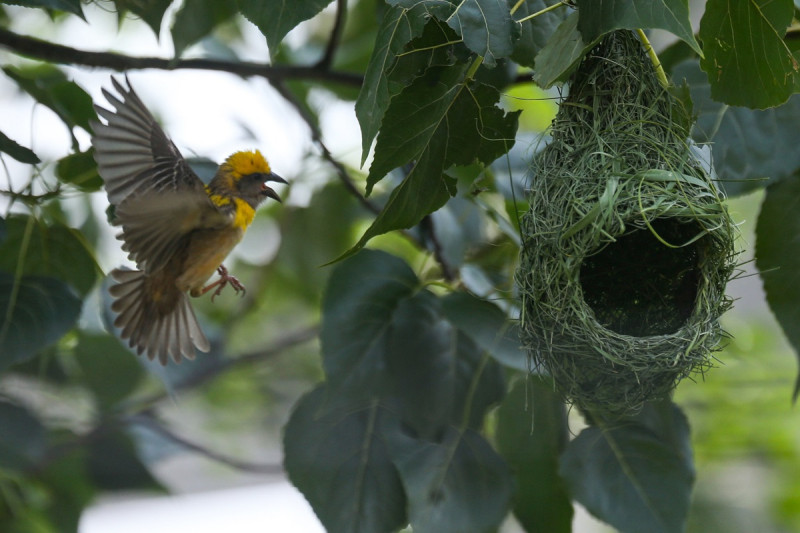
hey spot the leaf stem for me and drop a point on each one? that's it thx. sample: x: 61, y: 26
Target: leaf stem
x: 473, y: 68
x: 662, y: 77
x: 540, y: 12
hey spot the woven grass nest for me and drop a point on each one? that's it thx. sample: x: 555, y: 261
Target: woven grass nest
x: 627, y: 246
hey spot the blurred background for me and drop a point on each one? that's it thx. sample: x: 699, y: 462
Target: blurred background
x: 220, y: 459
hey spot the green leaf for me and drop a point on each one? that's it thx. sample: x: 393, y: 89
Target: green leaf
x: 276, y: 18
x: 562, y: 54
x: 34, y: 313
x: 17, y: 151
x: 488, y: 327
x: 778, y: 257
x: 486, y: 27
x: 456, y: 485
x: 107, y: 368
x: 22, y: 441
x: 50, y: 87
x: 751, y: 148
x: 636, y: 475
x: 598, y: 17
x: 339, y: 461
x: 436, y: 374
x: 535, y: 33
x: 80, y: 169
x: 113, y: 463
x: 69, y: 6
x: 150, y: 11
x: 56, y: 251
x: 747, y: 62
x: 532, y: 431
x: 362, y: 295
x: 198, y: 18
x: 399, y: 26
x: 439, y: 120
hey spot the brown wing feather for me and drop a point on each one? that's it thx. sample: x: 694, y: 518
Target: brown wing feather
x: 155, y: 226
x: 134, y: 155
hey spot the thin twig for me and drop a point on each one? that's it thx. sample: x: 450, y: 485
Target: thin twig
x: 152, y: 424
x: 283, y: 343
x: 316, y: 136
x: 438, y: 252
x: 336, y: 35
x: 56, y: 53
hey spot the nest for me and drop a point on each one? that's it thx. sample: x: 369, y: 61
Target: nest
x: 627, y: 246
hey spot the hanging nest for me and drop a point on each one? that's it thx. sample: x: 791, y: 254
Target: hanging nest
x: 627, y: 246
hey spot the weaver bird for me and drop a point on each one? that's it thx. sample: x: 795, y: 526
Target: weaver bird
x: 176, y: 229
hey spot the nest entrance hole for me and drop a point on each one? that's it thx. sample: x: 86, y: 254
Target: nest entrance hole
x: 638, y: 286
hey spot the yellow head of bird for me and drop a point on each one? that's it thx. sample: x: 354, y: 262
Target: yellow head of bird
x: 245, y: 163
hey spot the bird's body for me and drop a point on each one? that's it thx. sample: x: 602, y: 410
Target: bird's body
x: 176, y: 229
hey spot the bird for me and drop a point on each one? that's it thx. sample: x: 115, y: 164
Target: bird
x: 177, y: 230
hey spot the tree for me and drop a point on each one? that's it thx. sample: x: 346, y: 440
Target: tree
x: 428, y: 412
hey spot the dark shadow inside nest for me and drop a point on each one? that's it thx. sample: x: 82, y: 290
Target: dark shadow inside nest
x: 641, y: 287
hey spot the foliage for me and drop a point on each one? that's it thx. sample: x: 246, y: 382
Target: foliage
x: 418, y: 406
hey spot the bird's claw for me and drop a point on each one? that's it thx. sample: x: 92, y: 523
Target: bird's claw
x: 225, y: 279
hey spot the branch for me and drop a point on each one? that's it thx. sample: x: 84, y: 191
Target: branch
x: 56, y: 53
x: 336, y: 35
x: 152, y: 424
x: 316, y: 136
x: 210, y: 372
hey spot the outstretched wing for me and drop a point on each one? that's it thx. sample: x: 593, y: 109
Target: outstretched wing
x: 158, y: 199
x: 134, y: 156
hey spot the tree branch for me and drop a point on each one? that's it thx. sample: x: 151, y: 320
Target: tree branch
x: 245, y: 466
x: 336, y: 35
x: 316, y: 136
x: 55, y: 53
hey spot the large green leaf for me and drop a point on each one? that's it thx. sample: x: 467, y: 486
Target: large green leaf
x: 637, y: 475
x: 80, y: 169
x: 598, y: 17
x: 55, y: 250
x: 532, y: 431
x: 198, y: 18
x: 17, y: 151
x: 339, y: 461
x: 399, y: 26
x: 455, y: 485
x: 34, y: 312
x: 363, y: 293
x: 488, y: 327
x: 778, y: 256
x: 69, y: 6
x: 562, y: 54
x: 22, y: 440
x: 751, y: 148
x: 441, y: 119
x: 535, y: 33
x: 107, y: 368
x: 746, y: 60
x: 150, y: 11
x: 436, y: 374
x: 51, y: 88
x: 276, y: 18
x: 486, y: 27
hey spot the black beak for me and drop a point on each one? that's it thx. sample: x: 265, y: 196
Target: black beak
x: 267, y: 191
x: 274, y: 177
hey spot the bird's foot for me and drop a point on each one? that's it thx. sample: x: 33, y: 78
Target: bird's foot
x: 224, y: 279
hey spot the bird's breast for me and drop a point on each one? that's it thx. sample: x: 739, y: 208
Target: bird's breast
x: 207, y: 249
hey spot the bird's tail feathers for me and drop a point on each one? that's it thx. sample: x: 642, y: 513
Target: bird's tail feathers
x: 175, y: 333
